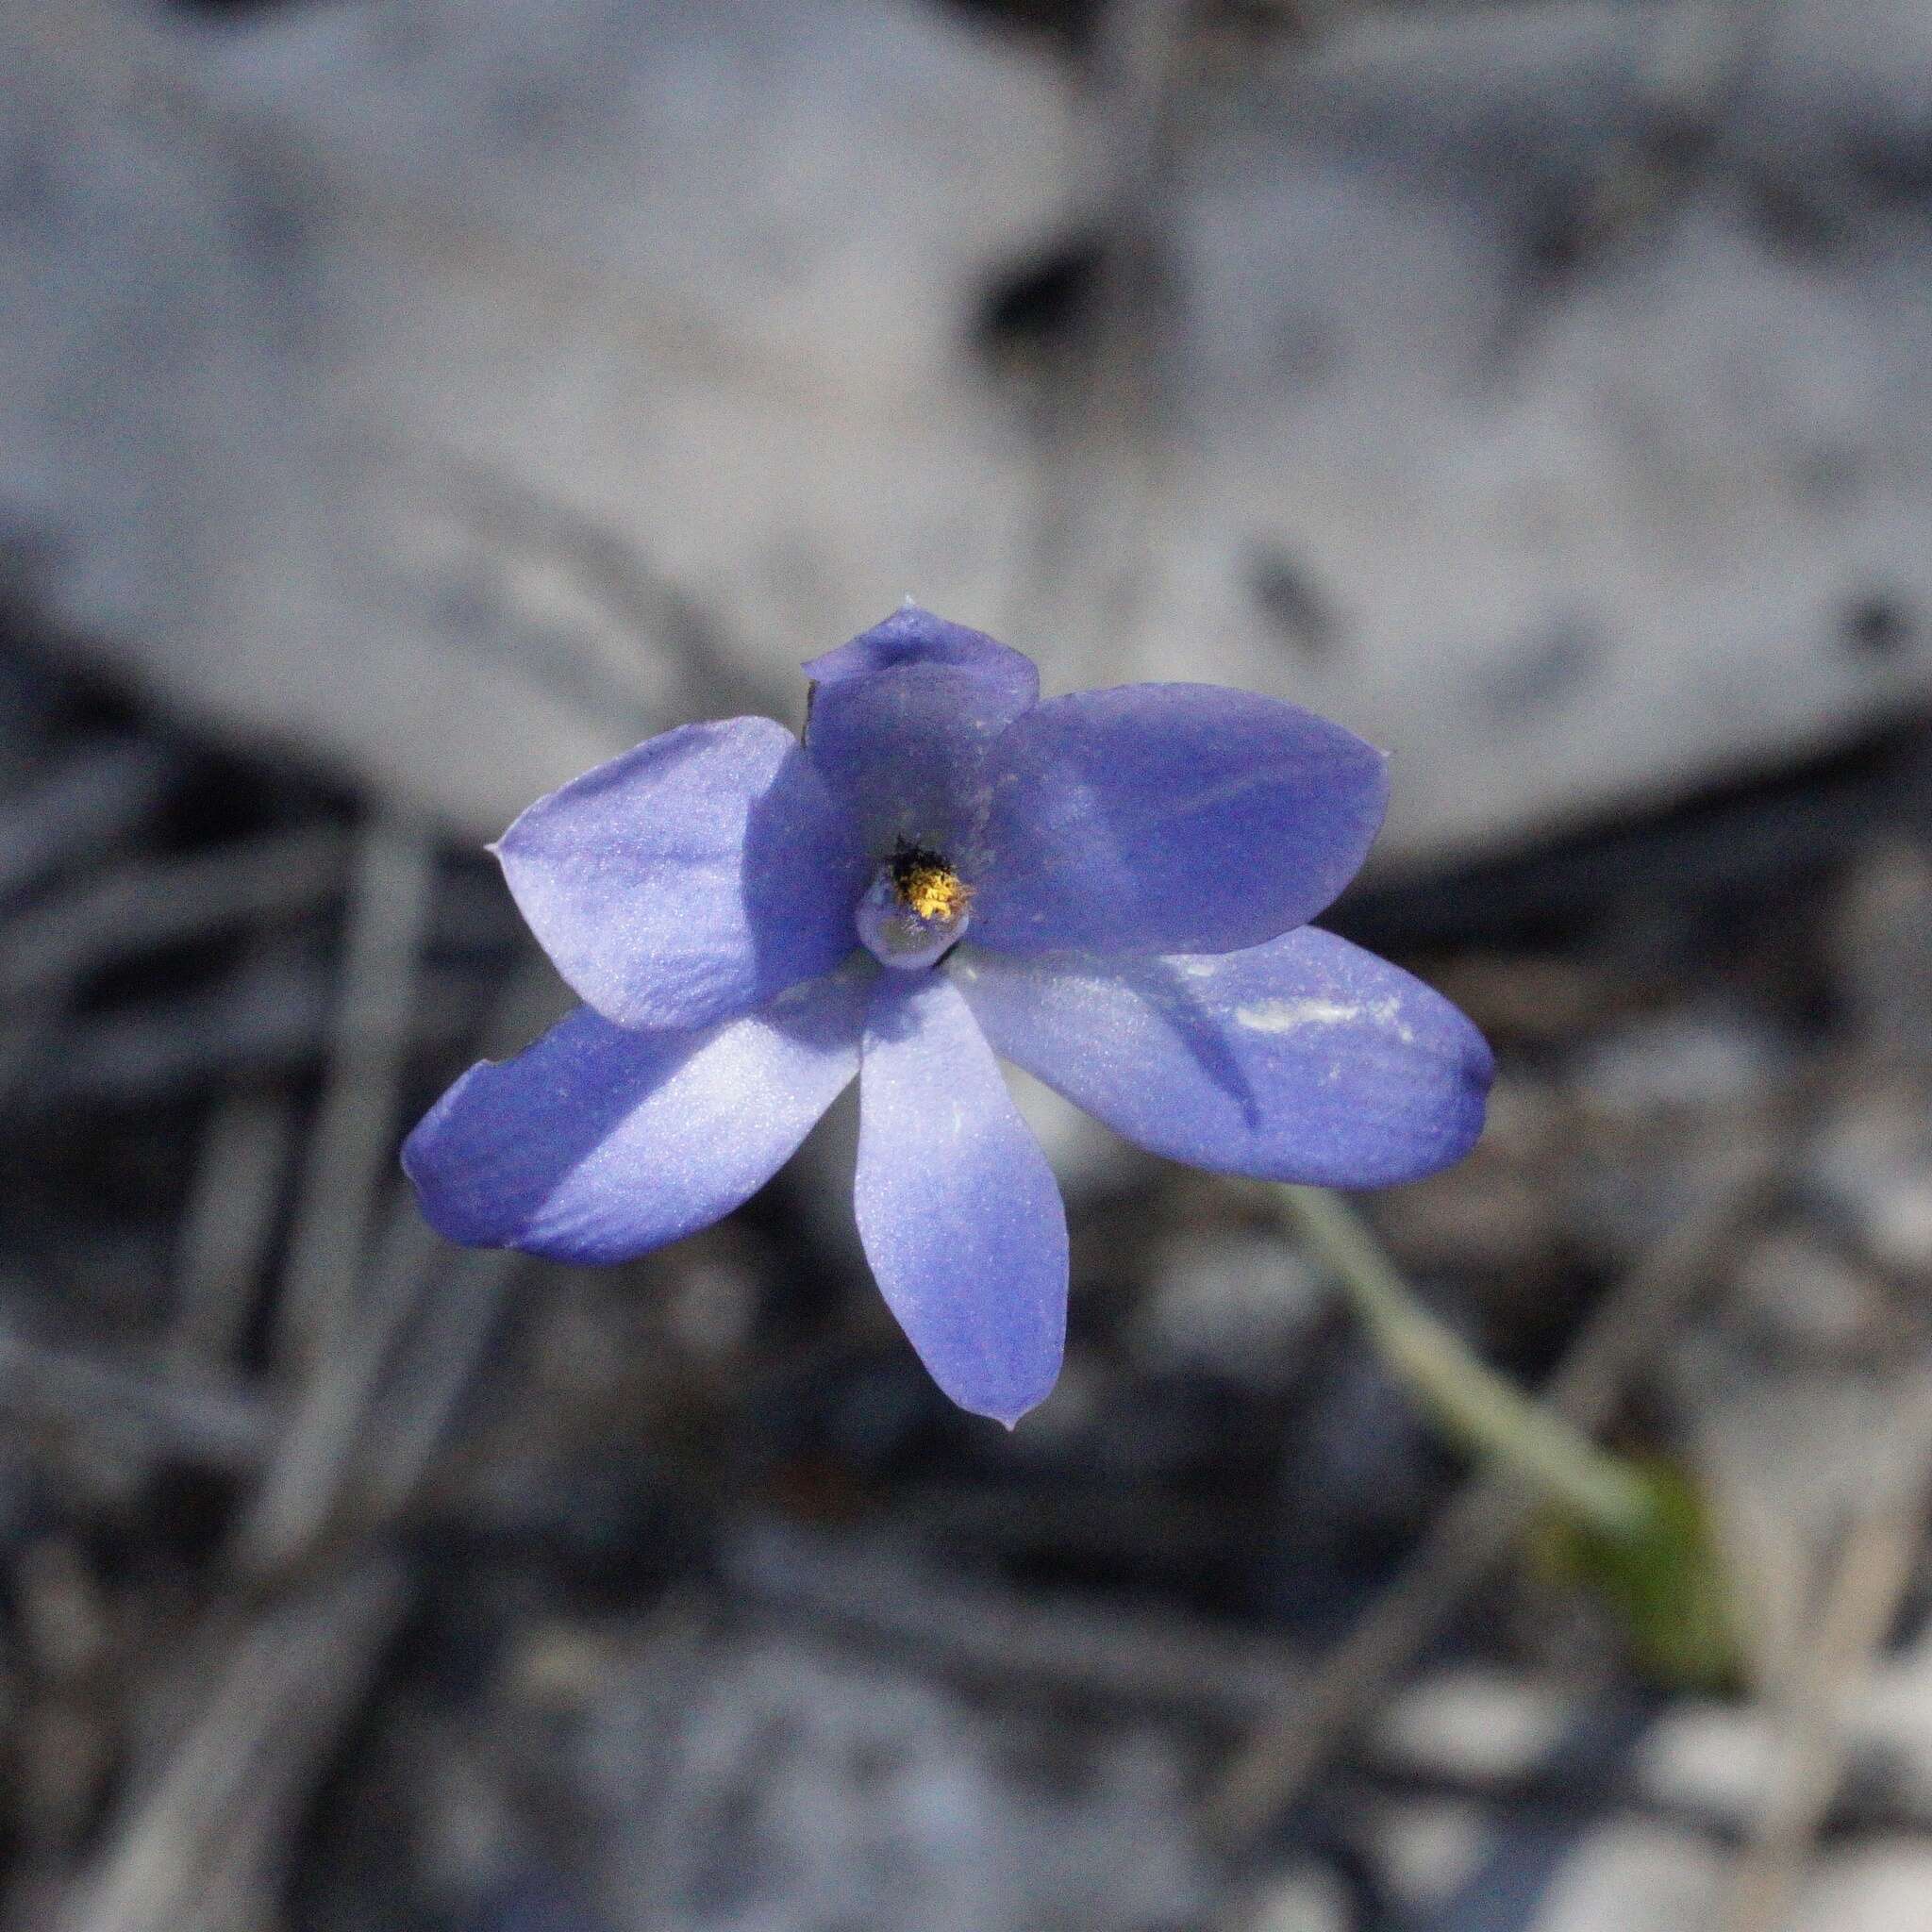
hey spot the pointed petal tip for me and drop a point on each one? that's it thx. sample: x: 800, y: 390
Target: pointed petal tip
x: 1009, y: 1418
x: 1004, y: 1409
x: 1002, y: 1395
x: 1003, y: 1406
x: 914, y: 634
x: 1001, y: 1392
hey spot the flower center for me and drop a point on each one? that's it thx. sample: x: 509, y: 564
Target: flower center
x: 930, y: 887
x: 916, y: 906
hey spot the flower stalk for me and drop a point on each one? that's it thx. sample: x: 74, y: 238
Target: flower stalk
x: 1481, y: 1408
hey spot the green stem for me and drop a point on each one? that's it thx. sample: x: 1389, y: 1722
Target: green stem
x: 1489, y: 1412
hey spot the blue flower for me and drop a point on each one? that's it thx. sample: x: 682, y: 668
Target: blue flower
x: 1110, y: 889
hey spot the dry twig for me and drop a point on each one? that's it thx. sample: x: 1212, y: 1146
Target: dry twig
x: 205, y: 1424
x: 338, y: 1434
x: 350, y: 1149
x: 1860, y: 1604
x: 200, y: 1849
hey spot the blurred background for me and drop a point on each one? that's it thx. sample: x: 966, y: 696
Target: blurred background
x: 405, y: 403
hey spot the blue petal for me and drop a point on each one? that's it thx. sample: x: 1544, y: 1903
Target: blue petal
x: 1171, y: 818
x: 905, y: 751
x: 958, y: 1208
x: 913, y: 635
x: 598, y: 1144
x: 1303, y: 1060
x: 692, y: 878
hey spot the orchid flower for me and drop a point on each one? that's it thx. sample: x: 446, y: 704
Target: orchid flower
x: 1110, y: 889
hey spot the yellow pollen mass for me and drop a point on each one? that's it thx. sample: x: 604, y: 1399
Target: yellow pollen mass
x: 933, y: 891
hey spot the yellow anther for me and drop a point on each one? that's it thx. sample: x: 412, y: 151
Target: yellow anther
x: 933, y: 891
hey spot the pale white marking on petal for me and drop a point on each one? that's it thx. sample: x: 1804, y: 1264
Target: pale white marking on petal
x: 1284, y: 1016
